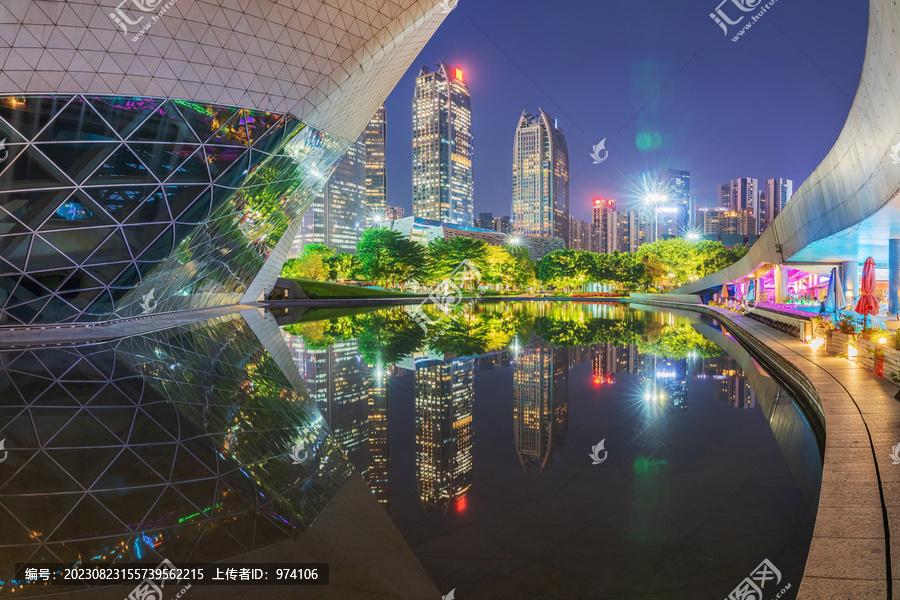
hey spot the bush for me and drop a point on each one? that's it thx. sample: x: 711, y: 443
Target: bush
x: 846, y: 325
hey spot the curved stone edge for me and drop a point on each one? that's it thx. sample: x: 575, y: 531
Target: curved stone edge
x: 850, y: 555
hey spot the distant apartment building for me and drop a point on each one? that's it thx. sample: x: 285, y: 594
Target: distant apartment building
x: 375, y: 137
x: 718, y: 221
x: 337, y: 216
x: 485, y: 221
x: 778, y: 192
x: 394, y: 212
x: 579, y: 235
x: 742, y: 196
x: 540, y: 199
x: 503, y: 225
x: 443, y: 146
x: 678, y: 211
x: 602, y: 227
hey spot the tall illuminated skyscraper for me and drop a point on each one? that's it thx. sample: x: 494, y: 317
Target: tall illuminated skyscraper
x: 540, y: 404
x: 540, y: 198
x: 603, y: 226
x: 445, y: 401
x: 778, y: 192
x: 443, y: 147
x: 375, y: 137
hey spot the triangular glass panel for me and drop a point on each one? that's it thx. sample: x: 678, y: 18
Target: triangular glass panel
x: 58, y: 311
x: 52, y: 280
x: 41, y: 513
x: 55, y: 395
x: 273, y: 139
x: 186, y: 466
x: 14, y: 533
x: 102, y: 306
x: 124, y: 113
x: 7, y: 269
x: 121, y: 201
x: 15, y: 249
x: 32, y: 208
x: 128, y: 279
x: 106, y: 273
x: 165, y: 125
x: 83, y: 370
x: 77, y: 211
x: 113, y: 249
x: 78, y: 280
x: 44, y: 256
x: 173, y: 503
x: 83, y: 430
x: 24, y: 483
x: 29, y: 114
x: 233, y: 132
x: 130, y: 505
x: 76, y: 244
x: 180, y: 197
x: 160, y: 249
x: 77, y: 121
x: 122, y: 168
x: 222, y: 157
x: 164, y: 159
x: 234, y: 176
x: 88, y: 514
x: 84, y: 464
x: 10, y: 135
x: 78, y: 159
x: 141, y: 236
x: 197, y: 212
x: 153, y: 209
x: 7, y: 285
x: 201, y: 493
x: 9, y: 224
x: 30, y: 170
x: 193, y: 170
x: 206, y: 119
x: 259, y: 123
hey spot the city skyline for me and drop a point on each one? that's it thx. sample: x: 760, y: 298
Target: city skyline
x: 664, y: 101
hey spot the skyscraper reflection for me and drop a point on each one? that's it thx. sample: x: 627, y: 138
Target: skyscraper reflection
x: 540, y: 403
x: 445, y: 400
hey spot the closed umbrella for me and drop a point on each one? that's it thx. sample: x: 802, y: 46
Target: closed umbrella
x: 867, y: 304
x: 724, y: 290
x: 751, y: 291
x: 739, y: 292
x: 832, y: 302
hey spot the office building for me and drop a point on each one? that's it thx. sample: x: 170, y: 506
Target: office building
x: 579, y: 235
x: 375, y: 137
x: 778, y: 192
x: 503, y: 225
x: 394, y: 212
x: 540, y: 198
x: 540, y: 404
x: 675, y: 216
x: 603, y: 225
x: 485, y: 221
x: 443, y: 146
x: 743, y: 198
x: 337, y: 216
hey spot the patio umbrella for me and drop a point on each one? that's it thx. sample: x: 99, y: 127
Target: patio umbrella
x: 751, y: 291
x: 867, y: 304
x: 724, y: 291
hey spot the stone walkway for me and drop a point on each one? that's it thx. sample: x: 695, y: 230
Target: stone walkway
x: 853, y: 555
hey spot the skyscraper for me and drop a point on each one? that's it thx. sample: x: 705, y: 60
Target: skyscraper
x: 445, y: 400
x: 678, y: 185
x: 540, y: 404
x: 337, y: 216
x: 540, y: 198
x: 375, y: 137
x: 778, y: 192
x: 743, y: 198
x: 485, y: 221
x: 580, y: 235
x: 602, y: 225
x: 443, y: 147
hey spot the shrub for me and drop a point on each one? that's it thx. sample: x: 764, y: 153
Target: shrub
x: 846, y: 325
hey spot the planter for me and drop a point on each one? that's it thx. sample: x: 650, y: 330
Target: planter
x: 840, y: 343
x: 891, y: 361
x: 864, y: 358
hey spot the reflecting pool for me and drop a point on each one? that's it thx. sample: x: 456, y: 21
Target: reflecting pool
x: 503, y: 450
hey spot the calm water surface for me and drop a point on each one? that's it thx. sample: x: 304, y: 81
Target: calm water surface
x: 515, y: 450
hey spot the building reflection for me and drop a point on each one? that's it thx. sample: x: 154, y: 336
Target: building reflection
x: 733, y: 387
x: 540, y: 403
x: 444, y: 405
x: 353, y: 399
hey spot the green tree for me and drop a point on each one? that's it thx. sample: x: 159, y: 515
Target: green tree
x: 389, y: 259
x: 312, y: 263
x: 342, y: 266
x: 446, y: 255
x: 566, y: 268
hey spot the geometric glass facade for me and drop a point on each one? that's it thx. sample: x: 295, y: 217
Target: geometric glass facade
x: 175, y: 444
x: 114, y: 206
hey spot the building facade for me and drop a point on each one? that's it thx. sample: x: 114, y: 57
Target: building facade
x: 394, y: 212
x: 375, y: 137
x: 337, y: 216
x: 540, y: 198
x: 603, y: 225
x: 778, y: 192
x: 743, y: 197
x: 580, y: 235
x: 179, y: 177
x: 485, y: 221
x: 677, y: 184
x: 503, y: 224
x: 443, y: 147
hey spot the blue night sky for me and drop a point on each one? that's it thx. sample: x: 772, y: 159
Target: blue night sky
x: 657, y: 78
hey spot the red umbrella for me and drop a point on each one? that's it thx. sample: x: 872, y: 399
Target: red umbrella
x: 867, y: 304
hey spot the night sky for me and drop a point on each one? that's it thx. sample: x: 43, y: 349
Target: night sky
x: 657, y: 78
